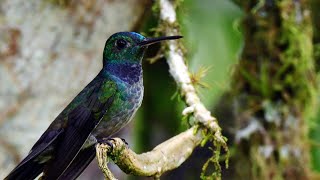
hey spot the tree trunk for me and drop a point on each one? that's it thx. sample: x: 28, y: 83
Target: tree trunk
x: 49, y: 51
x: 273, y: 91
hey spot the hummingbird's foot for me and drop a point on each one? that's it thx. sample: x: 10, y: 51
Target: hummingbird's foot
x: 107, y: 141
x: 124, y: 141
x: 111, y: 142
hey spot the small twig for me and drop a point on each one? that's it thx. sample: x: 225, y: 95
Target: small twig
x: 179, y: 71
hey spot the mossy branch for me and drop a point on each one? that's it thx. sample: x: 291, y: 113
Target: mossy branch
x: 173, y: 152
x: 166, y: 156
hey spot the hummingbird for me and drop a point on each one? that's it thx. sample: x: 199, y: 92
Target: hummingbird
x: 101, y: 109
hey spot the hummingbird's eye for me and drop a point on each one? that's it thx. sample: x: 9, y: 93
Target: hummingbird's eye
x: 120, y: 44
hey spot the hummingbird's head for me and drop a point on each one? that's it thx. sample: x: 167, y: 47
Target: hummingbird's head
x: 128, y: 46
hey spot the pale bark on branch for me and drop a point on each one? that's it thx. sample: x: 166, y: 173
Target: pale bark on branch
x: 166, y: 156
x: 179, y: 71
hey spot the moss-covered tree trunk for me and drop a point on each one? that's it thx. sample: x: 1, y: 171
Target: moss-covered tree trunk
x: 273, y: 89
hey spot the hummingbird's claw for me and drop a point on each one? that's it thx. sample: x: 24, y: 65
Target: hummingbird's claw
x: 123, y: 140
x: 107, y: 141
x: 110, y: 142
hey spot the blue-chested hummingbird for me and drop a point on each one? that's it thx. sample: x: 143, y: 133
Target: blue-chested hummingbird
x: 102, y: 108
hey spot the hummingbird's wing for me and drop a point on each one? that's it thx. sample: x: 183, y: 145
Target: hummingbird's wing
x: 79, y: 164
x: 66, y: 135
x: 80, y: 123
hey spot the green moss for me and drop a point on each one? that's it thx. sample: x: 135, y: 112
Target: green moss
x: 216, y: 157
x: 297, y: 35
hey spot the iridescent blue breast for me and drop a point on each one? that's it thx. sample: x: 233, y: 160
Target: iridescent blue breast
x: 126, y: 103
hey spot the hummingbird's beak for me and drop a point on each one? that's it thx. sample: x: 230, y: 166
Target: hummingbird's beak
x: 150, y: 41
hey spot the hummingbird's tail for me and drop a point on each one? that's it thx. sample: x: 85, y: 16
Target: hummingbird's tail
x: 31, y: 166
x: 79, y: 164
x: 28, y: 170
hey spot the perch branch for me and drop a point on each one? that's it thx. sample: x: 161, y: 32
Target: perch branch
x: 164, y: 157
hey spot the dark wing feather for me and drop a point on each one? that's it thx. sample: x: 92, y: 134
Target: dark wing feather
x: 66, y: 135
x: 30, y: 167
x: 81, y: 121
x: 78, y: 165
